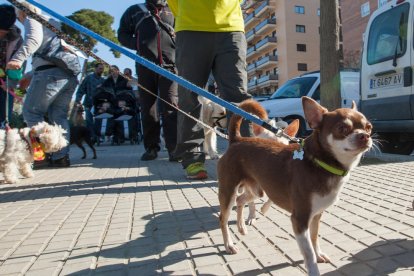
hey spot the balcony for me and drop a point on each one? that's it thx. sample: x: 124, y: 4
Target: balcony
x: 250, y: 51
x: 268, y: 80
x: 249, y: 35
x: 251, y: 66
x: 249, y: 4
x: 266, y: 63
x: 250, y: 20
x: 251, y: 84
x: 265, y: 6
x: 266, y: 44
x: 265, y: 26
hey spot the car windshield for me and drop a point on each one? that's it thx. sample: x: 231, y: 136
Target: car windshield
x: 295, y: 88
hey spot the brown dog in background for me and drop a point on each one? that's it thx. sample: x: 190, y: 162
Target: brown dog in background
x: 303, y: 180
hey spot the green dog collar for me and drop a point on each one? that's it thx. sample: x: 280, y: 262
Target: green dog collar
x: 329, y: 168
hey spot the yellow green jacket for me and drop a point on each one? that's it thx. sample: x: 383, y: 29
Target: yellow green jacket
x: 207, y: 15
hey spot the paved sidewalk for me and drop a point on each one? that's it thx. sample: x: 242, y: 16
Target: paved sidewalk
x: 118, y: 215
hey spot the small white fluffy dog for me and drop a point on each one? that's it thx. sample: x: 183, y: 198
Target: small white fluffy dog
x: 16, y: 151
x: 213, y: 115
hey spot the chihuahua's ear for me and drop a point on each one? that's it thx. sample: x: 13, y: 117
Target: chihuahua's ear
x: 354, y: 106
x: 313, y: 112
x: 292, y: 128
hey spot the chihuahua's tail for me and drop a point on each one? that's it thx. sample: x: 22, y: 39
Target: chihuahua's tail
x: 250, y: 106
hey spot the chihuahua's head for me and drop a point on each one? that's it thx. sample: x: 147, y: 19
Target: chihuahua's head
x: 344, y: 132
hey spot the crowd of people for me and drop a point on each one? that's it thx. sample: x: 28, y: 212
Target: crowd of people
x: 194, y: 39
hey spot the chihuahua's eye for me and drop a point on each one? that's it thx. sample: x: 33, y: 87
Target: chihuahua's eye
x: 343, y: 129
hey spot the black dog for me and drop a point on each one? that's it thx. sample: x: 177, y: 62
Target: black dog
x: 78, y: 134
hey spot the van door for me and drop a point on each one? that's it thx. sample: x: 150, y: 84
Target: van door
x: 349, y: 89
x: 386, y: 72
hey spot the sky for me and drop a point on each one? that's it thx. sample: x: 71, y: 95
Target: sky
x: 113, y: 7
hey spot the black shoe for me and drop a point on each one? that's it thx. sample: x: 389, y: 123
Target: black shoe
x: 37, y: 165
x: 173, y: 158
x: 63, y: 162
x: 150, y: 154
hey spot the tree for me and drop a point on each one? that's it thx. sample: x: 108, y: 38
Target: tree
x: 96, y: 21
x: 330, y: 54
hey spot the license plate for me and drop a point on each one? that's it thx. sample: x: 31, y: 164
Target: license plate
x: 386, y: 81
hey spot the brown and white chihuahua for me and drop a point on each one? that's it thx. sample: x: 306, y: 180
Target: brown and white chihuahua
x: 303, y: 179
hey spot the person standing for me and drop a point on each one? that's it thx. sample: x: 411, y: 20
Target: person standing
x: 115, y: 81
x: 51, y: 87
x: 210, y: 38
x: 10, y: 41
x: 87, y: 90
x: 148, y: 29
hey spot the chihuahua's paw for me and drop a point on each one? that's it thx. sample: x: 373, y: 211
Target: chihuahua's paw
x: 232, y: 249
x: 322, y: 258
x: 251, y: 220
x: 242, y: 228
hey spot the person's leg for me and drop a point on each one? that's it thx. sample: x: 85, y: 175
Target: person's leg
x: 42, y: 91
x: 89, y: 122
x: 168, y: 92
x: 59, y: 108
x: 194, y: 58
x: 2, y: 107
x: 149, y: 112
x: 230, y: 71
x: 10, y: 103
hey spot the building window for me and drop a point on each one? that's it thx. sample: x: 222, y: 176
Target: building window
x: 382, y: 3
x: 300, y: 9
x: 302, y: 67
x: 301, y: 47
x: 300, y: 28
x: 365, y: 9
x: 318, y: 12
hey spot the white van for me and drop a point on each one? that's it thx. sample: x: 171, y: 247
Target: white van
x: 286, y: 102
x: 387, y: 75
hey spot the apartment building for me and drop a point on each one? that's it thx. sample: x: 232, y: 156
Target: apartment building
x: 355, y: 15
x: 282, y: 41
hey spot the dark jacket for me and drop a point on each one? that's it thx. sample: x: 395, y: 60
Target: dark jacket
x: 154, y: 38
x: 88, y: 88
x: 120, y: 85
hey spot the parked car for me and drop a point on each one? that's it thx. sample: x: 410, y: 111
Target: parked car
x: 286, y: 102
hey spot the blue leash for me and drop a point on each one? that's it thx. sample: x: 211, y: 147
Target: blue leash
x: 159, y: 70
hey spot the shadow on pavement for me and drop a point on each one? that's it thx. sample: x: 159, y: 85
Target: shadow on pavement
x: 386, y: 256
x: 159, y: 248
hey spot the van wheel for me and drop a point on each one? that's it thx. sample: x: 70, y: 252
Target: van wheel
x: 391, y: 144
x: 302, y: 132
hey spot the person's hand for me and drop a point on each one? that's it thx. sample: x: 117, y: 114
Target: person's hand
x: 24, y: 83
x: 13, y: 65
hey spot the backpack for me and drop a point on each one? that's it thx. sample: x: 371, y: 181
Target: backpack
x: 147, y: 44
x: 60, y: 56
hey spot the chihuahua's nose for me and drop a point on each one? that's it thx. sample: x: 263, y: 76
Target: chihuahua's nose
x: 363, y: 137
